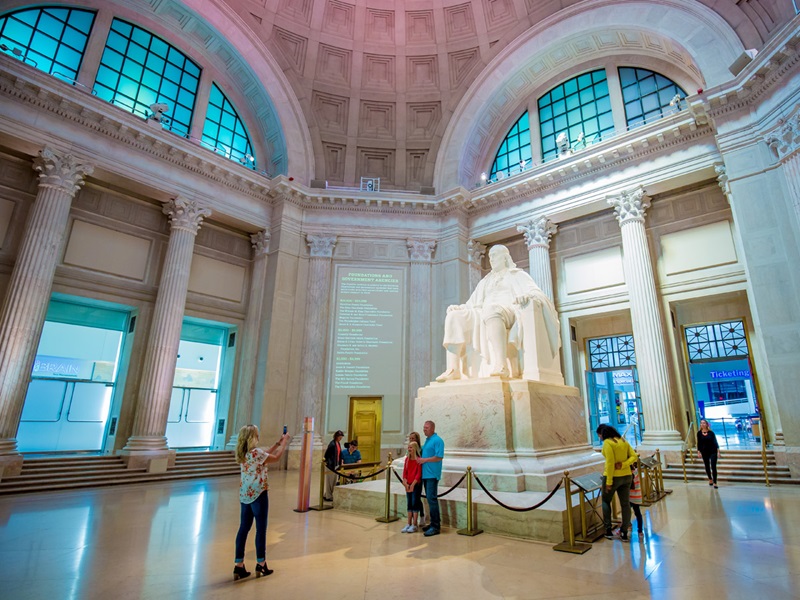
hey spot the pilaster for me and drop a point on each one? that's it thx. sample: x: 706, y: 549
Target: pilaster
x: 420, y: 254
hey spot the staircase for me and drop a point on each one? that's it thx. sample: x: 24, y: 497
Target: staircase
x: 75, y: 472
x: 740, y: 466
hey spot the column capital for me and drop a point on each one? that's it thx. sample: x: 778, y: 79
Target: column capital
x: 260, y: 243
x: 185, y: 214
x: 785, y: 140
x: 537, y: 232
x: 475, y: 252
x: 629, y: 205
x: 722, y: 180
x: 61, y: 171
x: 321, y: 246
x: 420, y: 250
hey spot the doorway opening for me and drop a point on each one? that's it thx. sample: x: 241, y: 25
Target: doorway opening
x: 612, y: 385
x: 723, y: 382
x: 365, y: 426
x: 75, y: 378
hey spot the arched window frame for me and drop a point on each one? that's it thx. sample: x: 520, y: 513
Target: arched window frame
x: 514, y: 153
x: 57, y: 38
x: 228, y: 133
x: 648, y: 95
x: 138, y: 69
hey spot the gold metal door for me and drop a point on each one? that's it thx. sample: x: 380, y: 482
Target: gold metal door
x: 365, y: 426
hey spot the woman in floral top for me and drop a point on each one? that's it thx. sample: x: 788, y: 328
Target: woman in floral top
x: 254, y: 496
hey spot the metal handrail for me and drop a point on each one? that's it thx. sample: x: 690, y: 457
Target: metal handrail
x: 686, y: 448
x: 764, y: 453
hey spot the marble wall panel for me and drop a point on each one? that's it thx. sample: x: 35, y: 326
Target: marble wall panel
x: 216, y: 278
x: 6, y: 210
x: 698, y: 248
x: 107, y: 251
x: 594, y: 270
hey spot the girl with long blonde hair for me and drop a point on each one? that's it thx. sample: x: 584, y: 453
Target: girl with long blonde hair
x: 254, y: 496
x: 412, y: 481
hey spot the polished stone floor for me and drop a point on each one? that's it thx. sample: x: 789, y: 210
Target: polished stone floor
x: 176, y: 541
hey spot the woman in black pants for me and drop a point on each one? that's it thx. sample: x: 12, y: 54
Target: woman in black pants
x: 708, y: 449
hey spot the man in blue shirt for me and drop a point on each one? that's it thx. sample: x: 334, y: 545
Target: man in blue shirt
x: 351, y: 454
x: 431, y: 461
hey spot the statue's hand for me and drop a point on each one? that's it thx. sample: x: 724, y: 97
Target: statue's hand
x: 453, y: 307
x: 523, y: 300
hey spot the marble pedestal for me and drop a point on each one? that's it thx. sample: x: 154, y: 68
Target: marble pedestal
x: 517, y: 435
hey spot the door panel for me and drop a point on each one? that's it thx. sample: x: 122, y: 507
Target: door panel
x: 365, y: 426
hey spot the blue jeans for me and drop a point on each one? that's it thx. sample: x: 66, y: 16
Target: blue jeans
x: 414, y: 498
x: 258, y: 511
x: 432, y: 492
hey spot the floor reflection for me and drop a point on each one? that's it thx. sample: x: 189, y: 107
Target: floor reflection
x: 176, y: 541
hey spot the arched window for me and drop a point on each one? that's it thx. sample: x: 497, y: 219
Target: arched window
x: 516, y: 147
x: 648, y: 96
x: 224, y: 131
x: 139, y: 69
x: 579, y: 107
x: 52, y: 39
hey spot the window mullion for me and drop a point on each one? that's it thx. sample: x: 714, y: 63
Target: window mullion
x: 94, y: 48
x: 617, y: 102
x: 201, y: 105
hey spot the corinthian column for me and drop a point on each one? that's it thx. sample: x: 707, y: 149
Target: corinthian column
x: 648, y: 334
x: 25, y: 305
x: 475, y: 252
x: 420, y: 252
x: 537, y: 234
x: 315, y: 335
x: 158, y: 372
x: 248, y: 354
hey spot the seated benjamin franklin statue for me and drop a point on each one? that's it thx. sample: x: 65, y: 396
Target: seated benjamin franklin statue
x: 508, y: 328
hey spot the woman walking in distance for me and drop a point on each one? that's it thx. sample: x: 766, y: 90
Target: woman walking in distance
x: 254, y: 496
x: 708, y: 449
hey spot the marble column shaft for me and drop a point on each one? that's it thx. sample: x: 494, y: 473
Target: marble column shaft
x: 158, y: 371
x: 537, y: 234
x: 648, y: 334
x: 25, y: 304
x: 315, y: 334
x: 248, y: 352
x: 421, y: 254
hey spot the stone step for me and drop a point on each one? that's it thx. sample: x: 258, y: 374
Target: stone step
x: 678, y: 476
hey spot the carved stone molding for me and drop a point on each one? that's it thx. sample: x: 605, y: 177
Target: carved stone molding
x: 629, y: 205
x: 475, y: 252
x: 321, y: 246
x: 785, y: 140
x: 722, y: 179
x: 185, y: 214
x: 61, y: 171
x: 537, y: 232
x: 260, y: 242
x: 421, y: 250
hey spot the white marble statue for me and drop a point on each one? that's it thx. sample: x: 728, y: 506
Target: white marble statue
x: 507, y: 328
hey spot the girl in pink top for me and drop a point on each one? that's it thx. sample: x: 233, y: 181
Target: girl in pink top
x: 254, y: 496
x: 412, y: 481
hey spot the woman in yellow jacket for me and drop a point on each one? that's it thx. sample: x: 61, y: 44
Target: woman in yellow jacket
x: 619, y: 456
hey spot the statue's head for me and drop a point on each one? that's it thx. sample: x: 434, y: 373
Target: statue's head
x: 500, y: 258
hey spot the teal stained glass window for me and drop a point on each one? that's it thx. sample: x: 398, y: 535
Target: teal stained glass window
x: 647, y: 95
x: 225, y: 132
x: 581, y: 108
x: 52, y: 38
x: 139, y: 69
x: 516, y: 147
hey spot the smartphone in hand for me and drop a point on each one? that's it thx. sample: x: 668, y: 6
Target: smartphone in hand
x: 285, y: 430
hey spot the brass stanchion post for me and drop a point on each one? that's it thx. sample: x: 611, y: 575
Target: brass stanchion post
x: 683, y: 465
x: 322, y: 505
x: 470, y: 530
x: 387, y: 518
x: 570, y: 545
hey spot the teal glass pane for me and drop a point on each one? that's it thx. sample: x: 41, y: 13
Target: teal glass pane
x: 145, y: 76
x: 224, y: 131
x: 585, y: 100
x: 515, y: 147
x: 647, y: 95
x: 52, y: 39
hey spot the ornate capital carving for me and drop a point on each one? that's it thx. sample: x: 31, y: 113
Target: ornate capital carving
x: 537, y: 232
x: 475, y: 252
x: 185, y: 214
x: 722, y: 180
x: 62, y: 171
x: 260, y: 242
x: 421, y: 250
x: 630, y: 205
x: 321, y: 246
x: 786, y: 139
